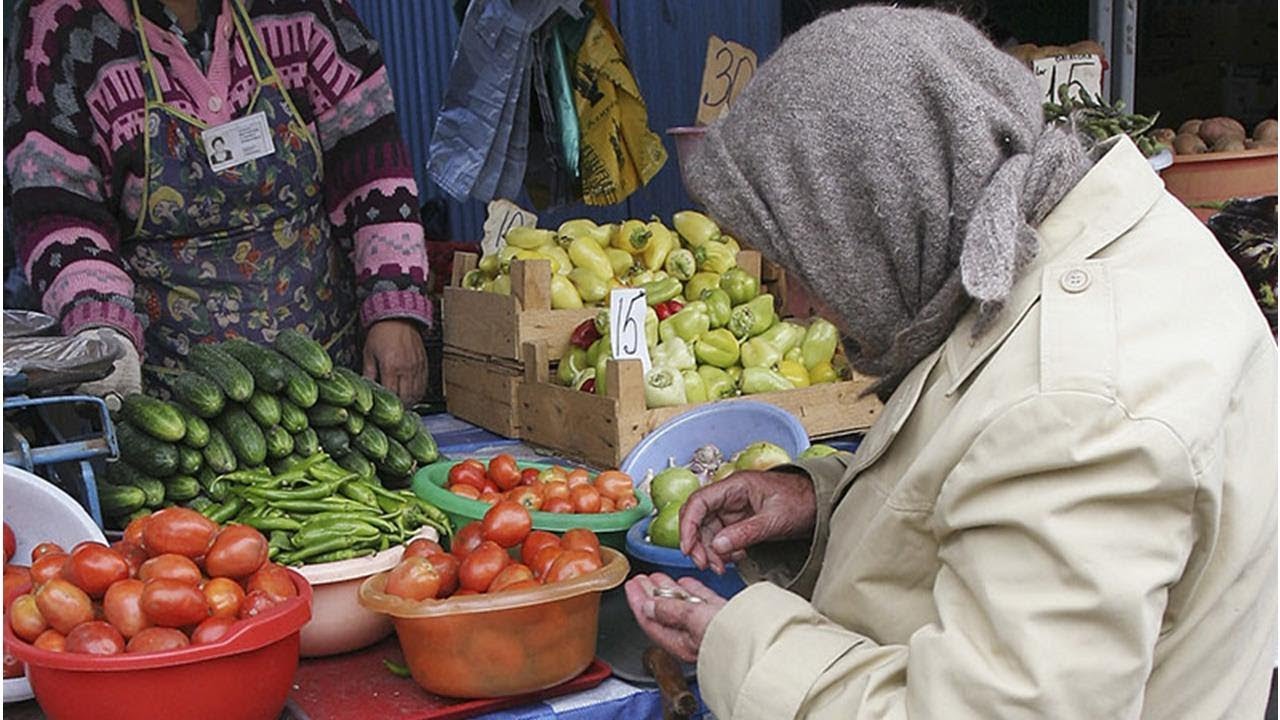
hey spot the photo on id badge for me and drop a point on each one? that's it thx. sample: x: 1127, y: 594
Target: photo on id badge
x: 238, y: 142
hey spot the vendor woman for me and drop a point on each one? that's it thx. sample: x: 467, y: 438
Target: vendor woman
x: 185, y: 171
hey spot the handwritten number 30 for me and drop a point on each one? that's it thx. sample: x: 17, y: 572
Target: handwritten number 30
x: 731, y: 72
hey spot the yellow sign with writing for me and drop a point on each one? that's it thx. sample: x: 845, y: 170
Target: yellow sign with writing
x: 728, y: 69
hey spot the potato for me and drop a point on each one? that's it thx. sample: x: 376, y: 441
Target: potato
x: 1251, y: 144
x: 1227, y: 144
x: 1219, y: 129
x: 1189, y: 144
x: 1264, y: 133
x: 1164, y: 136
x: 1191, y: 126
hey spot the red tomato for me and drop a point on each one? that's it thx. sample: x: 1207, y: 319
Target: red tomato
x: 255, y: 603
x: 273, y: 580
x: 536, y: 540
x: 523, y: 585
x: 51, y: 640
x: 446, y: 566
x: 581, y: 539
x: 95, y: 638
x: 490, y: 497
x: 504, y: 472
x: 552, y: 474
x: 482, y: 565
x: 12, y: 666
x: 510, y: 575
x: 122, y: 607
x: 133, y: 532
x: 607, y: 506
x: 63, y: 605
x: 223, y: 596
x: 10, y: 543
x: 627, y: 502
x: 178, y: 530
x: 578, y: 476
x: 571, y: 564
x: 529, y: 476
x: 467, y: 491
x: 238, y: 551
x: 586, y: 499
x: 422, y: 547
x: 544, y: 558
x: 414, y: 578
x: 526, y: 495
x: 171, y: 566
x: 133, y: 555
x: 93, y: 568
x: 172, y: 603
x: 557, y: 505
x: 507, y: 523
x: 17, y: 581
x: 211, y: 630
x: 43, y: 549
x: 25, y: 618
x: 467, y: 539
x: 468, y: 472
x: 615, y: 485
x: 47, y: 567
x: 157, y: 639
x: 464, y: 591
x: 555, y: 489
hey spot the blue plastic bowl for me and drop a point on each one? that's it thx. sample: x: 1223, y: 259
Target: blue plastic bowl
x: 650, y: 558
x: 729, y: 425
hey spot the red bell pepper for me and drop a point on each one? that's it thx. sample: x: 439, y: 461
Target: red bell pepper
x: 584, y: 334
x: 667, y: 309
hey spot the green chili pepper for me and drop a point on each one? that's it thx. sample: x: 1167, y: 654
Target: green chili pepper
x: 756, y: 352
x: 752, y: 318
x: 663, y: 387
x: 740, y: 286
x: 660, y: 291
x: 328, y: 471
x: 247, y: 476
x: 227, y: 510
x: 571, y: 363
x: 315, y: 492
x: 307, y: 507
x: 763, y: 380
x: 674, y: 354
x: 785, y: 336
x: 819, y: 342
x: 719, y: 385
x: 700, y: 283
x: 681, y: 264
x: 688, y: 324
x: 717, y: 347
x: 359, y: 492
x: 267, y: 524
x: 695, y: 390
x: 331, y: 545
x: 337, y: 555
x: 319, y: 532
x: 715, y: 257
x: 367, y: 517
x: 719, y: 306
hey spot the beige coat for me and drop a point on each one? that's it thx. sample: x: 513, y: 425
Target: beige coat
x: 1072, y: 517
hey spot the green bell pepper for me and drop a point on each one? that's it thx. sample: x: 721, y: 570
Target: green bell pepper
x: 602, y: 322
x: 817, y: 450
x: 757, y: 352
x: 719, y: 384
x: 794, y: 355
x: 591, y: 287
x: 474, y: 279
x: 700, y: 283
x: 572, y: 363
x: 663, y: 387
x: 794, y: 372
x: 740, y: 285
x: 719, y: 306
x: 688, y: 324
x: 502, y: 285
x: 819, y: 342
x: 602, y: 367
x: 582, y: 377
x: 660, y: 291
x: 695, y: 228
x: 650, y: 327
x: 752, y: 318
x: 785, y: 336
x: 681, y: 264
x: 735, y: 373
x: 585, y: 253
x: 695, y: 390
x: 597, y: 348
x: 717, y: 347
x: 675, y: 354
x: 763, y: 380
x: 715, y: 257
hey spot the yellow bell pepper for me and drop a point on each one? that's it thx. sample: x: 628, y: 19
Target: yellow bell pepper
x: 563, y: 294
x: 489, y: 265
x: 621, y: 261
x: 695, y: 228
x: 501, y: 285
x: 585, y: 253
x: 661, y: 242
x: 529, y: 238
x: 571, y: 230
x: 632, y: 236
x: 591, y: 288
x: 560, y: 262
x: 505, y: 256
x: 794, y: 372
x: 823, y: 373
x: 732, y: 244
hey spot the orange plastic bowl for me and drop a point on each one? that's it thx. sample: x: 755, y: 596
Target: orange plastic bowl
x: 246, y: 674
x: 509, y: 643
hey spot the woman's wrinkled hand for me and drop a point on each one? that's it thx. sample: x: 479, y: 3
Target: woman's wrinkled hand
x: 395, y: 356
x: 720, y: 521
x: 674, y: 624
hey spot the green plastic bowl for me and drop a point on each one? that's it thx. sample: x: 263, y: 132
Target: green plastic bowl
x: 430, y: 484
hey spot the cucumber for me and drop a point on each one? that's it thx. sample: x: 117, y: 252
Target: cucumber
x: 355, y: 423
x: 199, y: 503
x: 336, y: 390
x: 181, y: 488
x: 266, y: 365
x: 154, y: 417
x: 230, y: 375
x: 306, y: 443
x: 300, y: 387
x: 324, y: 416
x: 423, y: 447
x: 356, y: 462
x: 189, y: 460
x: 334, y: 441
x: 406, y: 428
x: 146, y: 453
x: 244, y: 436
x: 199, y: 393
x: 122, y: 473
x: 197, y: 429
x: 398, y: 462
x: 304, y: 352
x: 119, y: 499
x: 386, y: 410
x: 218, y: 455
x: 363, y: 399
x: 279, y: 442
x: 372, y: 442
x: 264, y: 408
x: 292, y: 417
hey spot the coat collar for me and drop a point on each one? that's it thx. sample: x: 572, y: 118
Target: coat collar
x: 1110, y: 199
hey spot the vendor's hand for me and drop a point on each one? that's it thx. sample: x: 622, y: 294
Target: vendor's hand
x: 720, y: 521
x: 395, y: 356
x: 126, y: 374
x: 675, y: 625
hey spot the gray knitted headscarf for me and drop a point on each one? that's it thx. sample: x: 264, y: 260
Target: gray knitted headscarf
x: 898, y: 162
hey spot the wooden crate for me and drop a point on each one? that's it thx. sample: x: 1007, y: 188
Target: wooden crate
x: 601, y: 430
x: 483, y: 391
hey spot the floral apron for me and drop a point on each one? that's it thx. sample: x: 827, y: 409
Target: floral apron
x: 244, y: 252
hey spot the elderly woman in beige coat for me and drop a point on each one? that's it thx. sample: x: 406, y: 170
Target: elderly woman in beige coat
x: 1068, y: 506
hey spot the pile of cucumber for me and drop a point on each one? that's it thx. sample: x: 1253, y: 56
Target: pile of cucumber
x: 244, y: 406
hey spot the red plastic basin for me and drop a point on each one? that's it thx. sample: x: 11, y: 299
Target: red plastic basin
x: 246, y: 674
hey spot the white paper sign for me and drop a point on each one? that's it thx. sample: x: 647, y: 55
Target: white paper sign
x: 503, y: 215
x: 1083, y: 71
x: 728, y: 68
x: 238, y: 142
x: 627, y: 308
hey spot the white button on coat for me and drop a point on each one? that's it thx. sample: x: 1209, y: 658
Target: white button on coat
x: 1075, y: 280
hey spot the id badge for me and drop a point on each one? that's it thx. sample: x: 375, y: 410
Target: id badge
x: 238, y: 142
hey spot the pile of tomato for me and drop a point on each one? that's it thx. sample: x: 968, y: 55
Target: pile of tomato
x: 175, y: 579
x: 552, y: 489
x: 500, y: 552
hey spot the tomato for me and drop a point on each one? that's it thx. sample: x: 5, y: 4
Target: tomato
x: 581, y: 539
x: 414, y: 578
x: 526, y: 495
x: 171, y: 566
x: 615, y: 485
x: 467, y: 491
x: 157, y: 639
x: 25, y: 618
x: 557, y: 505
x: 133, y: 532
x: 63, y: 605
x: 578, y: 476
x: 45, y: 548
x: 255, y: 603
x: 17, y: 581
x: 553, y: 473
x: 571, y: 564
x: 178, y: 530
x: 464, y: 591
x: 627, y: 503
x: 466, y: 539
x: 607, y: 506
x: 122, y: 607
x: 555, y: 489
x: 482, y: 565
x: 211, y: 630
x: 48, y: 567
x: 504, y: 472
x: 10, y: 543
x: 273, y: 580
x: 51, y: 640
x: 523, y: 585
x: 544, y: 558
x: 446, y: 567
x: 507, y: 523
x: 95, y: 638
x: 535, y: 541
x: 468, y: 472
x: 173, y: 603
x: 133, y: 555
x: 510, y: 575
x: 238, y: 551
x: 490, y: 497
x: 93, y: 567
x: 12, y: 666
x: 422, y: 547
x: 223, y: 596
x: 529, y: 476
x: 586, y: 499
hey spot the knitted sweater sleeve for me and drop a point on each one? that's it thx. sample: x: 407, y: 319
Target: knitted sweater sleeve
x: 371, y: 195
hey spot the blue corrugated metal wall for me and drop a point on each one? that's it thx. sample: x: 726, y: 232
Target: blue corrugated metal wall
x: 666, y: 41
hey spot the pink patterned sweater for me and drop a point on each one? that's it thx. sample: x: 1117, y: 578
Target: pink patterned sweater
x: 73, y: 149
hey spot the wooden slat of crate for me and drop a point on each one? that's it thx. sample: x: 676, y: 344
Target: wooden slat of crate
x: 483, y: 391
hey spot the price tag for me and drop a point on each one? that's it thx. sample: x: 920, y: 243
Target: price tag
x: 1082, y: 71
x: 627, y: 308
x: 728, y: 69
x: 503, y: 215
